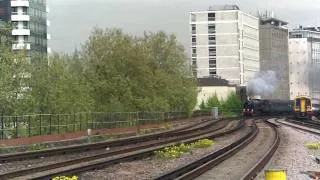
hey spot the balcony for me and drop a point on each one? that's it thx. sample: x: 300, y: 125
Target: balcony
x: 21, y: 32
x: 20, y: 17
x: 193, y: 31
x: 194, y: 55
x: 194, y: 43
x: 211, y: 18
x: 20, y: 3
x: 20, y: 46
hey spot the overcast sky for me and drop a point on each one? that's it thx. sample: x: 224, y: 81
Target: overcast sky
x: 73, y: 20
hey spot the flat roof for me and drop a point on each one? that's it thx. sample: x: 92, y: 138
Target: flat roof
x: 272, y: 19
x: 213, y: 81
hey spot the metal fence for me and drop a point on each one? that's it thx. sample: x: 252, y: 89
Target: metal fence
x: 48, y: 124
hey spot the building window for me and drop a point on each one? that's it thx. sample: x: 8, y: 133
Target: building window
x: 193, y: 17
x: 212, y: 62
x: 194, y: 40
x: 194, y: 63
x: 211, y: 16
x: 212, y: 39
x: 25, y: 10
x: 212, y: 51
x: 212, y: 71
x: 194, y: 52
x: 211, y: 28
x: 193, y: 29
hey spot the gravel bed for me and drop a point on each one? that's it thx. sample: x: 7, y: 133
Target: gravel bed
x: 292, y: 155
x: 13, y: 166
x: 152, y: 167
x: 237, y: 165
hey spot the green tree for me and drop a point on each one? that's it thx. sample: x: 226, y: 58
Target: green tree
x: 213, y: 101
x: 232, y: 105
x: 13, y: 72
x: 146, y: 73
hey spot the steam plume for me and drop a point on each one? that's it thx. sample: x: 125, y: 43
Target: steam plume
x: 263, y: 84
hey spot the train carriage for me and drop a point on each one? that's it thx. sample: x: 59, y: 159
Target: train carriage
x: 303, y: 107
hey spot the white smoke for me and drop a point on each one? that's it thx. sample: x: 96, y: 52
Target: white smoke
x: 263, y: 84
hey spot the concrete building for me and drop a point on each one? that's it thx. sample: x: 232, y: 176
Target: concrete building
x: 304, y: 58
x: 225, y: 42
x: 29, y: 19
x: 274, y: 53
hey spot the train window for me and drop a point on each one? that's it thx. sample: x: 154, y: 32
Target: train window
x: 308, y: 102
x: 297, y: 102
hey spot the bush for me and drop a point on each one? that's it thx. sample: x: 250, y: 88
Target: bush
x: 231, y: 106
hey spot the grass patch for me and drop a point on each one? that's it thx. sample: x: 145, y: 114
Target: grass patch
x: 99, y: 138
x: 313, y: 146
x: 65, y: 178
x: 176, y: 151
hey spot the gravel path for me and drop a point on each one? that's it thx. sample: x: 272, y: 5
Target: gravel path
x: 13, y: 166
x: 236, y: 166
x: 292, y: 155
x: 152, y: 167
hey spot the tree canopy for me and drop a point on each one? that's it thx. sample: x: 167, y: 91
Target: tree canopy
x: 113, y: 71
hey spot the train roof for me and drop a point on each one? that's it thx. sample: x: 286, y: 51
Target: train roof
x: 302, y: 96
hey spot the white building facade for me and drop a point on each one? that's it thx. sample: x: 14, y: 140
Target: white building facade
x: 225, y: 42
x: 29, y: 19
x: 304, y: 62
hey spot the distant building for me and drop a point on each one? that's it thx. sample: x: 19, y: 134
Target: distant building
x: 225, y: 42
x: 209, y: 86
x: 304, y: 58
x: 274, y: 53
x: 29, y: 18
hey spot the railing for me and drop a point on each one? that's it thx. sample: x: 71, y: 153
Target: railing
x: 19, y: 13
x: 48, y: 124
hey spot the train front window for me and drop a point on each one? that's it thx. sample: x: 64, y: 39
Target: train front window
x: 308, y: 102
x: 297, y: 102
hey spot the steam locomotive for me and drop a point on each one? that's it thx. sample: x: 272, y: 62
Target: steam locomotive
x: 263, y: 107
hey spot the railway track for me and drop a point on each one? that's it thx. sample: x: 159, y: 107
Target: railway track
x: 102, y: 160
x: 198, y: 167
x: 307, y: 126
x: 102, y: 145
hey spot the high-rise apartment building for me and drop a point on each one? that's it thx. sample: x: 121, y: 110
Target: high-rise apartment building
x: 304, y: 62
x: 274, y: 53
x: 225, y: 43
x: 29, y: 20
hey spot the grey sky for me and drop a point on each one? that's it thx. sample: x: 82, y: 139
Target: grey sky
x: 73, y: 20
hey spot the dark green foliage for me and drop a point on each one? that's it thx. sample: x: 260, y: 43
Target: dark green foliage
x: 232, y: 105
